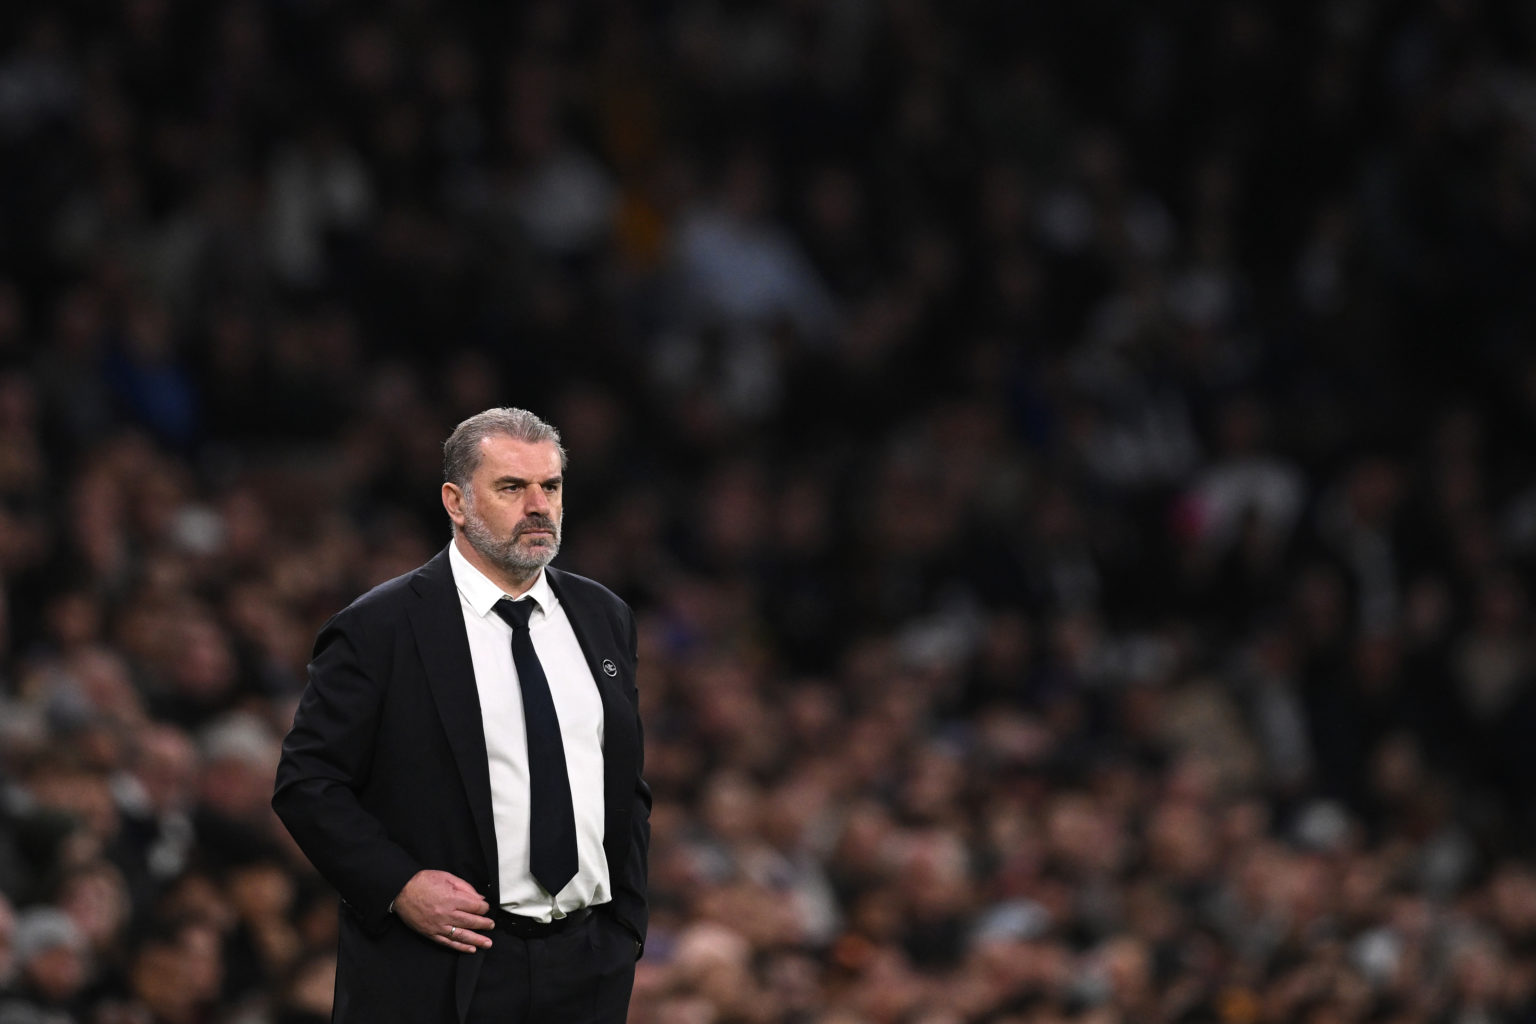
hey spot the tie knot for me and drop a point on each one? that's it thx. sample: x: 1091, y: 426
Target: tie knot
x: 516, y: 613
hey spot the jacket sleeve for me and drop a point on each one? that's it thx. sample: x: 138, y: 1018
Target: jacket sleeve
x: 325, y: 764
x: 630, y: 891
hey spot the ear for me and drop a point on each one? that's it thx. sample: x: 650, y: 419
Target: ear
x: 453, y: 503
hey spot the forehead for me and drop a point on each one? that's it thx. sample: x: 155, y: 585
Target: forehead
x: 501, y: 456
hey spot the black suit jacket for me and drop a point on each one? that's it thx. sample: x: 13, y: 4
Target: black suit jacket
x: 384, y: 774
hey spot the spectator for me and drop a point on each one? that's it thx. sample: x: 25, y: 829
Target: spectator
x: 53, y: 967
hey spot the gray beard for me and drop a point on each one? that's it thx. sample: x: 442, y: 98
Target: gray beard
x: 506, y: 555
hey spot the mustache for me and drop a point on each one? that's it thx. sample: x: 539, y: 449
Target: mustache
x: 536, y: 522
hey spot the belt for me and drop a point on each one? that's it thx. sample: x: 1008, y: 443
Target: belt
x: 527, y: 928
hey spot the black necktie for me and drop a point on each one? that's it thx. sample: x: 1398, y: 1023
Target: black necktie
x: 552, y: 824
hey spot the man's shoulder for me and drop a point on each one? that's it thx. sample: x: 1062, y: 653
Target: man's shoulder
x: 392, y: 596
x: 572, y: 587
x: 387, y: 595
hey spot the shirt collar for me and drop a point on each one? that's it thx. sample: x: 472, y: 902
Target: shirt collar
x: 482, y: 594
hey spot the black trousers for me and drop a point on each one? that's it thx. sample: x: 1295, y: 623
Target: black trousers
x: 582, y: 975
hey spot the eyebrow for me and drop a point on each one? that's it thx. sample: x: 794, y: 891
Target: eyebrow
x: 499, y: 481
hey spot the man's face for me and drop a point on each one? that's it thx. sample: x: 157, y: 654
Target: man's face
x: 511, y: 512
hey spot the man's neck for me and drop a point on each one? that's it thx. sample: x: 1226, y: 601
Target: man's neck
x: 512, y: 586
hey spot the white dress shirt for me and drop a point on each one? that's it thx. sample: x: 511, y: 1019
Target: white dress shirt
x: 501, y: 710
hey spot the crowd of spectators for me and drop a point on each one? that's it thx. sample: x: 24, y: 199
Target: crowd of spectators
x: 1071, y: 462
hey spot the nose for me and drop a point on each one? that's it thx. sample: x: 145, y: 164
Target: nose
x: 535, y: 500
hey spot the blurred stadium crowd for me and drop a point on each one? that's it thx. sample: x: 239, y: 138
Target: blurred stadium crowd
x: 1072, y: 463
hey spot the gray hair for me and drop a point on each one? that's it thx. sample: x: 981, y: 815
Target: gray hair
x: 461, y: 452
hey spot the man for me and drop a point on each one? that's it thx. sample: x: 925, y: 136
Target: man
x: 465, y: 765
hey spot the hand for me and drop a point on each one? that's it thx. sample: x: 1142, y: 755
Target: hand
x: 446, y: 909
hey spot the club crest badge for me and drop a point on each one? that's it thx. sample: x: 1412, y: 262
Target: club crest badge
x: 610, y: 668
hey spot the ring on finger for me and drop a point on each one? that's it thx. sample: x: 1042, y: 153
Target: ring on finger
x: 453, y: 931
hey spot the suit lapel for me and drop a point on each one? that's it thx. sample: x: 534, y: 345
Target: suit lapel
x: 438, y: 624
x: 620, y: 740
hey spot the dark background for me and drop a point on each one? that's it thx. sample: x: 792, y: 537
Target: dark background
x: 1071, y: 462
